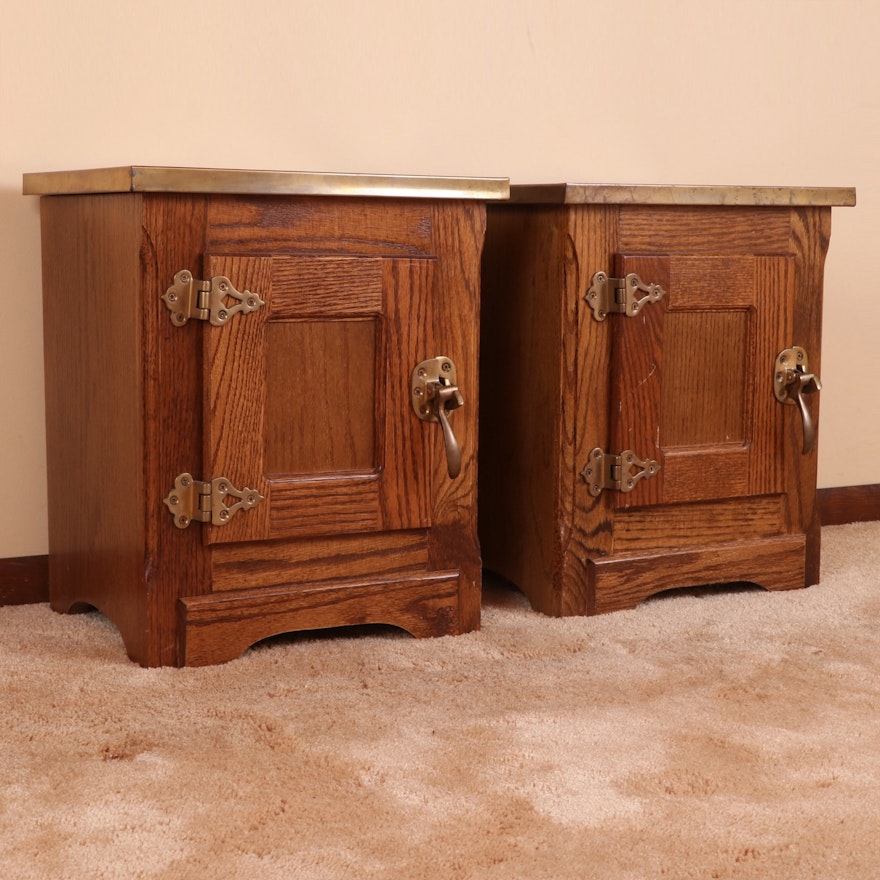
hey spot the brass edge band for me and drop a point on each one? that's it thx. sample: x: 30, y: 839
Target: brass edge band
x: 625, y: 194
x: 140, y: 178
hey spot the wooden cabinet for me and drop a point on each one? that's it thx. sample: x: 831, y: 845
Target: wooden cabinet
x: 698, y: 397
x: 243, y: 347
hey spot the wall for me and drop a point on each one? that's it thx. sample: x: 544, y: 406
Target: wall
x: 638, y: 91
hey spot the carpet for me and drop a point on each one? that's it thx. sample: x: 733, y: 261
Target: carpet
x: 707, y: 734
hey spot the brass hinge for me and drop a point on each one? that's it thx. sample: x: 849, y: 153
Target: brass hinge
x: 193, y: 500
x: 206, y: 300
x: 618, y: 295
x: 604, y: 471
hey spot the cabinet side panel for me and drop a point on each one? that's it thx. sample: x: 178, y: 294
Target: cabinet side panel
x: 174, y: 232
x: 94, y: 408
x: 591, y: 246
x: 459, y: 228
x: 811, y: 232
x: 521, y: 374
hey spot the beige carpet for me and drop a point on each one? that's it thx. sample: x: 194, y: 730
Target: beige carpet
x: 716, y: 735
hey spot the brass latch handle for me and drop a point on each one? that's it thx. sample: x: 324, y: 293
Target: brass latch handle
x: 791, y: 381
x: 449, y: 398
x: 434, y: 395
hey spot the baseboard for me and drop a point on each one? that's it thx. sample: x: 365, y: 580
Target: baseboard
x: 24, y: 580
x: 848, y: 504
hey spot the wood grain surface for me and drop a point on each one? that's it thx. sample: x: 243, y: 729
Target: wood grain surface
x: 305, y: 400
x: 687, y: 382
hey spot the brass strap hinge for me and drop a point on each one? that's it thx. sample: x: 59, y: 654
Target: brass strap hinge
x: 206, y: 300
x: 604, y: 471
x: 193, y: 500
x: 619, y: 295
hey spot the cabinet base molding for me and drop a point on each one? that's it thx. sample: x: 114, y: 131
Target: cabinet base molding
x: 848, y: 504
x: 623, y: 581
x: 24, y: 580
x: 220, y: 627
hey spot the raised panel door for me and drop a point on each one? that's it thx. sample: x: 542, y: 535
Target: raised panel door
x: 307, y: 398
x: 692, y: 377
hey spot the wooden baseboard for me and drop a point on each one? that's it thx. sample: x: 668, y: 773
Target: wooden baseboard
x: 25, y: 579
x: 848, y: 504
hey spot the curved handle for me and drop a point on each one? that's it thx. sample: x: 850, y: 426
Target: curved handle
x: 434, y: 394
x: 453, y: 450
x: 804, y: 383
x: 791, y: 381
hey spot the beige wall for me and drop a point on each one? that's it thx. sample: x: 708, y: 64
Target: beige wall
x: 694, y: 91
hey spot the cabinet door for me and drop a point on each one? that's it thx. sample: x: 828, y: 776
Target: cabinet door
x: 307, y: 399
x: 692, y: 377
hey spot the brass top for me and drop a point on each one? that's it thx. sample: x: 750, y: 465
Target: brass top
x: 618, y: 194
x: 145, y: 178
